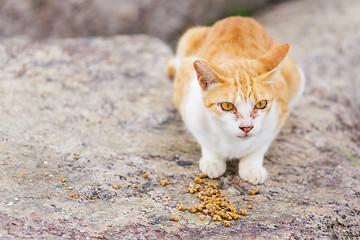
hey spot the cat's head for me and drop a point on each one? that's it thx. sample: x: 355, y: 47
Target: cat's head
x: 238, y: 95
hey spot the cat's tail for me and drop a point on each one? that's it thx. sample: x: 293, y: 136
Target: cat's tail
x: 171, y: 70
x: 301, y: 90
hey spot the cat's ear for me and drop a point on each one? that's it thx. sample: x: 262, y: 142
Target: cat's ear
x: 205, y: 74
x: 272, y: 60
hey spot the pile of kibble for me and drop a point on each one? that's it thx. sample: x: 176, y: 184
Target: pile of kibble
x: 214, y: 203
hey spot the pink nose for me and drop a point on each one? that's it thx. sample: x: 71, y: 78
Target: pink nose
x: 246, y: 129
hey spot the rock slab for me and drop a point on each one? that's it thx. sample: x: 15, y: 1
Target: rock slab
x: 83, y: 118
x: 166, y: 19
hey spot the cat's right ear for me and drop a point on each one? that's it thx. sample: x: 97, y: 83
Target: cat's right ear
x: 268, y: 63
x: 205, y: 74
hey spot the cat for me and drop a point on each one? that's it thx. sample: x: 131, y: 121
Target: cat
x: 233, y: 87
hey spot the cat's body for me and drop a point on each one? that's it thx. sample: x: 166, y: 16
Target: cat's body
x: 233, y: 87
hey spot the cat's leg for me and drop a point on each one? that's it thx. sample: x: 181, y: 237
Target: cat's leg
x: 212, y: 163
x: 251, y: 167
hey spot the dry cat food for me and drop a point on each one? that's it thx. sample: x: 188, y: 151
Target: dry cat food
x: 76, y: 196
x: 202, y: 175
x: 254, y: 191
x: 173, y: 217
x: 164, y: 182
x: 144, y: 174
x: 243, y: 212
x: 198, y: 180
x: 215, y: 204
x: 181, y: 208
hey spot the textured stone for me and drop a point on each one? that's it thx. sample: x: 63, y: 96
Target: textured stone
x: 110, y: 102
x: 166, y: 19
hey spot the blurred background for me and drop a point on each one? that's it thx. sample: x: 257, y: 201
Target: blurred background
x: 166, y: 19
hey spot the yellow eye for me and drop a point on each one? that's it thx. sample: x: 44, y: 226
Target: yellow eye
x: 227, y: 106
x: 261, y: 105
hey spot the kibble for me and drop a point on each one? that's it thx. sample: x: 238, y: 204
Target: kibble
x: 173, y: 217
x: 217, y: 218
x: 254, y: 191
x: 198, y: 180
x: 76, y: 196
x: 202, y: 175
x: 193, y: 209
x: 228, y: 216
x: 243, y: 212
x: 181, y: 208
x: 214, y: 203
x: 164, y: 182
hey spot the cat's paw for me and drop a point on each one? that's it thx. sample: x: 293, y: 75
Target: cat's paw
x: 212, y: 167
x: 252, y: 174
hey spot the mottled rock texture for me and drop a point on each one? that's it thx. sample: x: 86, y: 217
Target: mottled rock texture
x: 166, y: 19
x: 81, y: 119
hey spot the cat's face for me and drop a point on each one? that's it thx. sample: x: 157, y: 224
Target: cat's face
x: 239, y: 108
x: 238, y: 96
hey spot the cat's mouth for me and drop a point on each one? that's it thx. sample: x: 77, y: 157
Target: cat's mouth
x: 245, y: 136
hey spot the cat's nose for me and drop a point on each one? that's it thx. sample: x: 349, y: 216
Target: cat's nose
x: 246, y: 129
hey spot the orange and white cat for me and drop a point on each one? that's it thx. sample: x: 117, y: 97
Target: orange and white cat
x: 233, y: 87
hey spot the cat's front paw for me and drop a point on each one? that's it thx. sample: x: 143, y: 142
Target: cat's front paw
x: 212, y: 167
x: 252, y: 174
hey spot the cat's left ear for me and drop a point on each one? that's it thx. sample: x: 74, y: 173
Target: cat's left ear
x: 206, y: 75
x: 272, y: 60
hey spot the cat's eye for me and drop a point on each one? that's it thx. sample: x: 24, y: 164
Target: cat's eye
x: 226, y: 106
x: 261, y: 104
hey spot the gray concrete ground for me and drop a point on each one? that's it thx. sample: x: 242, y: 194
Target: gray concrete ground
x: 81, y: 119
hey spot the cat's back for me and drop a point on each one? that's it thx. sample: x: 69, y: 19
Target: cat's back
x: 235, y: 37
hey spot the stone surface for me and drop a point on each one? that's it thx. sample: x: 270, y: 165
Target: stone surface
x: 166, y: 19
x: 110, y: 102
